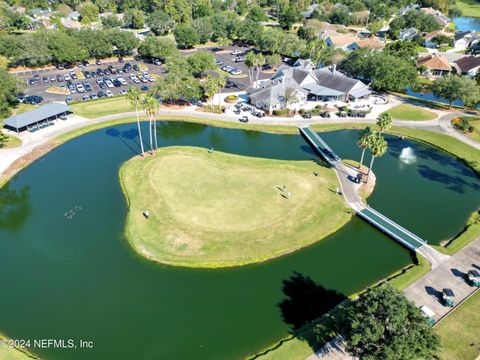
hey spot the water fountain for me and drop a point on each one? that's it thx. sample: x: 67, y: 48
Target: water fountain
x: 408, y: 156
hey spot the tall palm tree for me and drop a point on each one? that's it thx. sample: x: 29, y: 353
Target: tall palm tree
x: 259, y: 61
x: 378, y: 148
x: 364, y: 141
x: 384, y: 122
x: 150, y: 104
x: 250, y: 63
x: 134, y: 96
x: 221, y: 82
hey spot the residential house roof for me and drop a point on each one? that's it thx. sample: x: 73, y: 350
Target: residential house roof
x: 461, y: 34
x: 342, y: 40
x: 308, y: 13
x: 441, y: 19
x: 408, y: 33
x: 74, y: 15
x: 372, y: 43
x: 450, y: 56
x: 435, y: 62
x: 468, y: 63
x: 429, y: 36
x: 305, y: 64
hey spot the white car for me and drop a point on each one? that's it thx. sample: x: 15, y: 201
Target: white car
x: 67, y: 77
x: 109, y: 93
x: 236, y: 72
x: 235, y: 52
x: 80, y: 88
x: 109, y: 84
x: 122, y: 81
x: 135, y: 80
x: 123, y: 92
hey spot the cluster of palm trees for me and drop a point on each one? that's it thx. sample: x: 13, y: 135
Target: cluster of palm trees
x: 150, y: 105
x: 373, y: 140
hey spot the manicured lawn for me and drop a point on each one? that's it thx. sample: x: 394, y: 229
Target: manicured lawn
x: 7, y: 353
x: 469, y: 7
x: 216, y: 209
x: 460, y: 331
x: 102, y: 107
x: 411, y: 112
x: 12, y: 141
x: 475, y: 135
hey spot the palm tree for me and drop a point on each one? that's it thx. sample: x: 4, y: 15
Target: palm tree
x: 221, y: 82
x: 384, y: 122
x: 150, y: 104
x: 250, y: 63
x: 378, y: 148
x: 364, y: 141
x: 259, y: 61
x: 134, y: 96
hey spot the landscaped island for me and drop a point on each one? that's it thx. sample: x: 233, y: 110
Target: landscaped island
x: 212, y: 209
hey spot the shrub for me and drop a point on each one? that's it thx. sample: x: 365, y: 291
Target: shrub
x: 281, y: 112
x: 462, y: 124
x: 231, y: 98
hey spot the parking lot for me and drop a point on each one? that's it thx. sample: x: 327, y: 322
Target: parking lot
x: 97, y: 80
x: 86, y: 82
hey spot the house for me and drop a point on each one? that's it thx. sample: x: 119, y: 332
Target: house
x: 361, y: 17
x: 465, y: 39
x: 452, y: 57
x: 293, y: 86
x: 408, y: 34
x: 432, y: 35
x: 372, y: 43
x: 434, y: 65
x: 341, y: 41
x: 71, y: 23
x: 441, y: 19
x: 309, y: 12
x: 74, y: 15
x: 408, y: 8
x: 468, y: 65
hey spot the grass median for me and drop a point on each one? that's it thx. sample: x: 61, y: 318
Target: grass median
x: 217, y: 210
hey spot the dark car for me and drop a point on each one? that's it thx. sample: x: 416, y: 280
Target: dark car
x: 116, y: 83
x: 85, y: 63
x: 243, y: 119
x: 74, y: 76
x: 137, y: 57
x: 87, y: 86
x: 144, y: 88
x: 31, y: 82
x: 68, y: 66
x: 36, y: 77
x: 230, y: 84
x: 113, y: 70
x: 120, y: 60
x: 307, y: 115
x: 106, y: 71
x: 101, y: 94
x: 45, y: 80
x: 99, y: 72
x: 98, y: 62
x: 59, y: 78
x: 33, y: 100
x: 136, y: 68
x: 127, y: 66
x: 60, y: 66
x: 87, y: 74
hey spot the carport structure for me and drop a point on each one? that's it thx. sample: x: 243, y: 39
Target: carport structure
x: 38, y: 118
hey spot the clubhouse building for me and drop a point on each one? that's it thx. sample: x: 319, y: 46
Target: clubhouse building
x: 294, y: 86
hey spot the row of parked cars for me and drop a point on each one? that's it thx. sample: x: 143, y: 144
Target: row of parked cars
x: 233, y: 70
x: 244, y: 107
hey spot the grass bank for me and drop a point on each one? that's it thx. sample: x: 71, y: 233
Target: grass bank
x: 469, y: 233
x: 107, y: 106
x: 12, y: 353
x: 459, y: 331
x: 469, y: 7
x: 217, y: 209
x: 411, y: 112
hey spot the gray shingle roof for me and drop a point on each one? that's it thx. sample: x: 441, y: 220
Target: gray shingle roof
x: 335, y: 80
x: 468, y: 63
x: 31, y: 117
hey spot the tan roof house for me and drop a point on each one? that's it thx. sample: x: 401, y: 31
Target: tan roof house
x: 341, y: 41
x: 434, y: 65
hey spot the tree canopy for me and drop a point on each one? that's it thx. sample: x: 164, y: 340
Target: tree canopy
x: 383, y: 324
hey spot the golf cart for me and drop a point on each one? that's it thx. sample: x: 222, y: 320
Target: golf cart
x: 429, y: 314
x: 448, y: 297
x: 474, y: 277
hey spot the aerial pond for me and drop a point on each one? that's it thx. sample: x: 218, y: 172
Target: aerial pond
x: 69, y: 273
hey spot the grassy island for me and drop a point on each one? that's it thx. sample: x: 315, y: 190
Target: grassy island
x: 217, y: 210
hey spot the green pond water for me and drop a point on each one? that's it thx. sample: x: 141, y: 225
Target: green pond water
x: 69, y: 273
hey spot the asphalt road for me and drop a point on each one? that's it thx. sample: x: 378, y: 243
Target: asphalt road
x: 39, y: 88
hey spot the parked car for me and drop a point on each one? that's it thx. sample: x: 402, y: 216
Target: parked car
x: 59, y: 78
x: 235, y: 52
x: 123, y: 92
x: 474, y: 278
x: 243, y: 119
x: 157, y: 62
x: 109, y: 93
x: 307, y: 115
x: 36, y: 77
x: 80, y: 88
x: 98, y: 62
x: 33, y: 99
x: 144, y: 88
x: 68, y: 99
x: 135, y: 67
x: 85, y: 97
x: 93, y: 96
x: 87, y: 86
x: 236, y: 72
x: 87, y: 74
x: 101, y: 94
x: 73, y: 75
x: 59, y: 66
x: 100, y: 72
x: 120, y: 59
x: 45, y: 80
x: 108, y: 82
x: 53, y: 78
x: 31, y: 82
x: 85, y: 63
